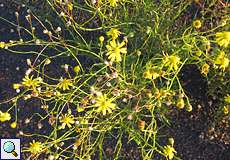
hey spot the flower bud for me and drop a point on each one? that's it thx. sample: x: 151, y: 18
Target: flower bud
x: 188, y: 107
x: 171, y: 141
x: 180, y: 103
x: 48, y: 61
x: 13, y: 125
x: 141, y: 125
x: 101, y: 39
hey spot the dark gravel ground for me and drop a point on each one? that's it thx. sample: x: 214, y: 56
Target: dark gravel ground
x: 195, y: 139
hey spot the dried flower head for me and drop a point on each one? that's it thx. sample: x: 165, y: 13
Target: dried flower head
x: 205, y: 69
x: 141, y: 125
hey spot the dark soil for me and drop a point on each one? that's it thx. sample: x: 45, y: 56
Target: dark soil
x: 194, y: 134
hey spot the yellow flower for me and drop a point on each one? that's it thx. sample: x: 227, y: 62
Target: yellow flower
x: 77, y: 69
x: 197, y: 24
x: 4, y: 116
x: 67, y: 119
x: 169, y: 151
x: 16, y: 86
x: 104, y: 104
x: 171, y: 61
x: 114, y: 33
x: 13, y: 125
x: 198, y: 53
x: 115, y: 50
x: 227, y: 99
x: 65, y: 84
x: 222, y: 61
x: 223, y: 38
x: 70, y: 6
x: 31, y: 82
x: 151, y: 74
x: 2, y: 44
x: 205, y: 69
x: 35, y: 147
x: 225, y: 110
x: 113, y: 3
x: 80, y: 108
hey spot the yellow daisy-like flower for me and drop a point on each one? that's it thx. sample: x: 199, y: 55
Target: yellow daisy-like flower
x: 205, y: 69
x: 114, y: 33
x: 223, y: 38
x: 227, y: 99
x: 225, y: 110
x: 31, y: 82
x: 171, y: 61
x: 151, y: 74
x: 4, y: 116
x: 2, y: 44
x: 222, y: 61
x: 169, y: 151
x: 67, y: 119
x: 36, y: 147
x: 104, y: 104
x: 197, y: 24
x: 115, y: 50
x: 65, y: 84
x: 113, y: 3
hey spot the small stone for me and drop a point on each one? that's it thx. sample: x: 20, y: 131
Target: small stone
x: 199, y: 106
x: 201, y: 136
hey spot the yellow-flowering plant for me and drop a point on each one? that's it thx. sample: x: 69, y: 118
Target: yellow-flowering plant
x: 4, y: 116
